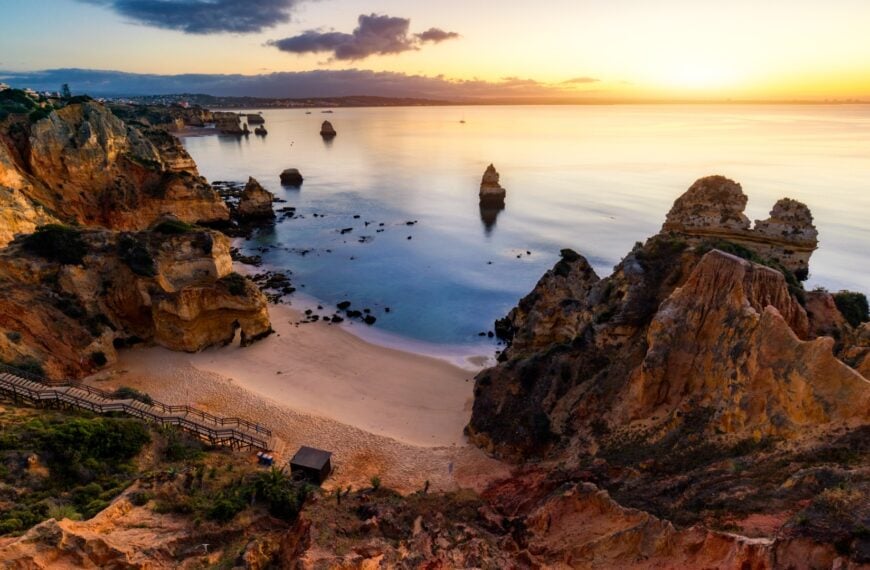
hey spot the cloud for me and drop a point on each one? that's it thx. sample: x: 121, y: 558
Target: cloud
x: 204, y: 16
x: 580, y: 80
x: 436, y: 35
x: 375, y: 34
x: 301, y: 84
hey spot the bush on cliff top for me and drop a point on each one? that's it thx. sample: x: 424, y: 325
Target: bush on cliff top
x: 58, y: 243
x: 853, y: 306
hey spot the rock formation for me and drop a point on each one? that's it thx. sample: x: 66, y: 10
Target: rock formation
x: 84, y: 165
x: 491, y: 192
x: 327, y: 131
x: 291, y: 177
x: 255, y: 202
x: 173, y: 286
x: 228, y: 123
x: 713, y: 209
x: 650, y: 381
x: 255, y: 119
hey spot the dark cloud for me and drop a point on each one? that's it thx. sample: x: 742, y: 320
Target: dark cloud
x: 316, y: 83
x: 374, y: 35
x: 581, y: 80
x: 436, y: 35
x: 204, y: 16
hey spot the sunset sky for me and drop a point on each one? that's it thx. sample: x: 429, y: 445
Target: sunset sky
x: 742, y: 49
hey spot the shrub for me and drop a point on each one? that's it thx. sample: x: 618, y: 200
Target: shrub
x: 99, y: 358
x: 127, y: 393
x: 180, y: 447
x: 136, y: 256
x: 236, y: 284
x: 376, y: 482
x: 173, y: 227
x: 60, y: 512
x: 58, y: 243
x: 853, y: 306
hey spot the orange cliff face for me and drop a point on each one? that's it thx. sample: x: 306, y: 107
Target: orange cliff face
x: 84, y: 165
x: 176, y: 291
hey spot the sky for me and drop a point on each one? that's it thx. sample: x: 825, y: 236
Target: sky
x: 595, y: 49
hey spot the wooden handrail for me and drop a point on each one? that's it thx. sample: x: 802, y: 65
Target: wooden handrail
x: 169, y: 409
x: 53, y: 391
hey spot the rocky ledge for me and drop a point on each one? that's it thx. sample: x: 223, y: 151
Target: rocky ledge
x: 71, y: 298
x: 713, y: 209
x: 491, y: 192
x: 83, y: 165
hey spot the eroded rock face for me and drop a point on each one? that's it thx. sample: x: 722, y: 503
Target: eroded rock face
x: 727, y: 341
x: 82, y: 164
x: 491, y: 192
x: 713, y: 208
x: 177, y: 291
x: 255, y: 202
x: 676, y: 328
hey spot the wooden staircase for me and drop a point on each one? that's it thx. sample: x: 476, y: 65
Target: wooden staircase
x: 237, y: 433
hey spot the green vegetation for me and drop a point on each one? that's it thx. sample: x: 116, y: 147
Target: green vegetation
x: 853, y: 306
x: 235, y: 284
x: 136, y: 256
x: 56, y: 464
x: 793, y: 279
x: 58, y: 243
x: 126, y: 393
x: 173, y: 227
x: 17, y: 102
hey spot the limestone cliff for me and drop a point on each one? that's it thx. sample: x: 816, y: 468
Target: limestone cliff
x: 82, y: 164
x: 68, y: 316
x: 713, y: 208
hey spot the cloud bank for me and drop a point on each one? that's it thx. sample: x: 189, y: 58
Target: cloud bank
x: 301, y: 84
x: 204, y: 16
x: 374, y: 35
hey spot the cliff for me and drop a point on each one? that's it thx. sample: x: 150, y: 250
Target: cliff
x: 82, y: 164
x: 699, y: 355
x: 72, y: 297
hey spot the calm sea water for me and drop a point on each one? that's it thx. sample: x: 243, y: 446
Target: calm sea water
x: 592, y: 178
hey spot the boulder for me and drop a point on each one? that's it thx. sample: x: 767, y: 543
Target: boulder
x: 255, y: 202
x: 491, y: 192
x: 327, y: 131
x: 291, y: 177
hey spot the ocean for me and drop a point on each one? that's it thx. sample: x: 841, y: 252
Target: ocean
x: 436, y: 270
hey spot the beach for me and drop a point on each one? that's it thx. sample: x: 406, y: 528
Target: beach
x: 381, y: 411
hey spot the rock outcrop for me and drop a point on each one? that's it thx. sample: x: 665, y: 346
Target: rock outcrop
x: 491, y: 192
x: 291, y: 177
x: 228, y: 123
x: 84, y: 165
x: 255, y: 202
x: 172, y: 286
x: 327, y: 131
x: 713, y: 209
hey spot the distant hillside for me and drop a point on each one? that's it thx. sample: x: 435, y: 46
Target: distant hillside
x: 211, y: 101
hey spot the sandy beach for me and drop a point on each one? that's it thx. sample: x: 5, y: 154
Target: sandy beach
x: 382, y: 411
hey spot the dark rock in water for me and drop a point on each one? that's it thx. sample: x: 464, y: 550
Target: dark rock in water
x: 386, y: 309
x: 256, y: 119
x: 261, y: 131
x: 491, y: 192
x: 291, y: 177
x: 410, y: 237
x: 352, y: 314
x: 343, y: 305
x: 345, y: 231
x: 369, y: 320
x: 255, y: 202
x: 356, y: 217
x: 337, y: 319
x: 327, y: 131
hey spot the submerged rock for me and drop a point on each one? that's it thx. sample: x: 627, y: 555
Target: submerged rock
x: 327, y: 131
x: 491, y: 192
x: 255, y: 202
x: 291, y: 177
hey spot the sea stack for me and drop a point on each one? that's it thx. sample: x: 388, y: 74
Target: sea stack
x: 291, y: 177
x: 255, y: 202
x: 327, y: 131
x: 491, y: 192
